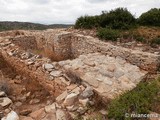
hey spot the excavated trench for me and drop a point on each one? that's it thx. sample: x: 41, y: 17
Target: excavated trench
x: 25, y: 92
x: 28, y: 89
x: 27, y: 85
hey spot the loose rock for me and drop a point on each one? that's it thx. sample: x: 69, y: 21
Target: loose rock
x: 70, y: 99
x: 5, y: 101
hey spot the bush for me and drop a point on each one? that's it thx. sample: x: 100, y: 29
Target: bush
x: 138, y: 37
x: 155, y: 41
x: 140, y: 100
x: 119, y: 18
x: 108, y: 34
x: 150, y: 18
x: 87, y: 22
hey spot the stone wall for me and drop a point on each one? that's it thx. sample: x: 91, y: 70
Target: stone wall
x: 61, y: 45
x: 11, y: 33
x: 85, y: 44
x: 25, y: 42
x: 31, y: 66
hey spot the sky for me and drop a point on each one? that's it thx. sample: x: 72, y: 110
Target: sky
x: 66, y: 11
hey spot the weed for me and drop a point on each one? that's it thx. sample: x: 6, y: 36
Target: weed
x: 140, y: 101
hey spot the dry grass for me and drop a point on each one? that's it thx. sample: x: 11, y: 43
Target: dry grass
x: 149, y: 32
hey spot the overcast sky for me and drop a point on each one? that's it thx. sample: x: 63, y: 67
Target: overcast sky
x: 66, y: 11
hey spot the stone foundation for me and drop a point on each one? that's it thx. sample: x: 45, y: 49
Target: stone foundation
x: 85, y: 44
x: 109, y: 76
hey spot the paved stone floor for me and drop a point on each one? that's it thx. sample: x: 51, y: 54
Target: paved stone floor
x: 109, y: 76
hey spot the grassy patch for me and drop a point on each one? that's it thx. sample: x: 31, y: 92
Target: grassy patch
x: 156, y: 41
x: 140, y: 100
x: 108, y: 34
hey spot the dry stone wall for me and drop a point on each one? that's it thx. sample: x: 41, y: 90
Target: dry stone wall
x: 85, y: 44
x: 25, y: 42
x: 31, y: 66
x: 61, y: 45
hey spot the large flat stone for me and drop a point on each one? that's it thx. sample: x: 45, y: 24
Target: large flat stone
x: 5, y: 101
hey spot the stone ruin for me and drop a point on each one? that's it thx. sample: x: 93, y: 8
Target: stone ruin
x: 74, y: 68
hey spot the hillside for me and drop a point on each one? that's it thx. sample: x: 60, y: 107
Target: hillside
x: 6, y: 25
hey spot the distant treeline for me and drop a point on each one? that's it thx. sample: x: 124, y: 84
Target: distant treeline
x: 119, y: 18
x: 6, y: 25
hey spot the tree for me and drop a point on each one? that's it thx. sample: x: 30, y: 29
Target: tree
x: 150, y: 18
x: 119, y: 18
x: 87, y: 22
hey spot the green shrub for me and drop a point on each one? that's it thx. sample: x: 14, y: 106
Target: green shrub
x: 150, y: 18
x: 138, y: 37
x: 156, y: 41
x: 108, y: 34
x: 140, y: 101
x: 119, y: 18
x: 87, y: 22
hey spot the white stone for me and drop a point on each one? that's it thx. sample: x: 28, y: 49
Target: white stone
x: 2, y: 94
x: 48, y: 66
x: 11, y: 116
x: 106, y: 73
x: 50, y: 108
x: 118, y: 73
x: 100, y: 77
x: 62, y: 96
x: 70, y: 99
x: 89, y: 63
x: 72, y: 108
x: 90, y: 79
x: 55, y: 73
x: 76, y: 90
x: 84, y: 102
x: 5, y: 101
x: 108, y: 81
x: 60, y: 115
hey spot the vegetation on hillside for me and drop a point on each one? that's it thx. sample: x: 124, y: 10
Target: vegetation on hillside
x: 150, y: 18
x: 120, y: 23
x: 141, y: 100
x: 108, y: 34
x: 28, y: 26
x: 88, y: 22
x: 119, y: 18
